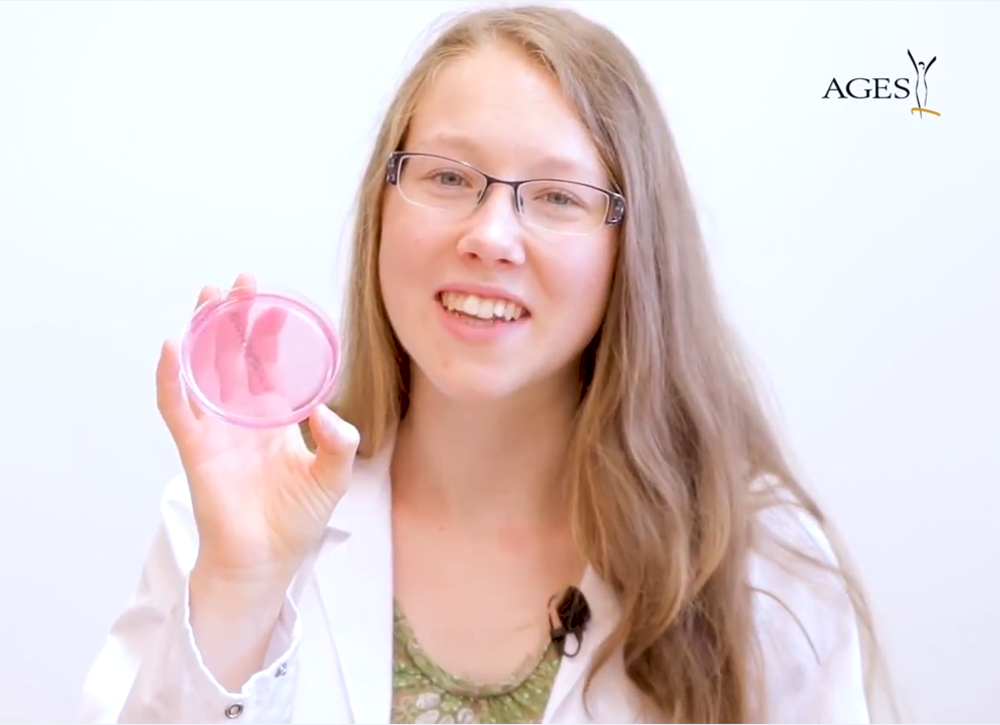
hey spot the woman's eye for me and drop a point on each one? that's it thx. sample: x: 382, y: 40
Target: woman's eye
x: 559, y: 198
x: 449, y: 178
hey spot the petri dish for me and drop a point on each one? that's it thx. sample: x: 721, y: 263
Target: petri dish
x: 260, y: 359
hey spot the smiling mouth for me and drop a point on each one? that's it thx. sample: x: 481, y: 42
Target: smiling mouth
x: 485, y: 310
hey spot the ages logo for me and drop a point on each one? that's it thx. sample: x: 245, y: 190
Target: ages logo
x: 889, y: 88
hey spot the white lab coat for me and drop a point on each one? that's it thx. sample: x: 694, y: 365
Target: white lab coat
x: 330, y: 659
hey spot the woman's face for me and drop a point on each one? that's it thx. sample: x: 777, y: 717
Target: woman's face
x: 486, y: 301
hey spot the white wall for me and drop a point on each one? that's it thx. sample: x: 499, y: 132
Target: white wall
x: 149, y: 148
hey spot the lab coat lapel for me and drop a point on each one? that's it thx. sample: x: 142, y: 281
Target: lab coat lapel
x: 613, y: 699
x: 603, y: 615
x: 354, y: 578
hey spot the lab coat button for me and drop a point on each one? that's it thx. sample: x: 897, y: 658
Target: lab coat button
x: 282, y: 670
x: 234, y: 711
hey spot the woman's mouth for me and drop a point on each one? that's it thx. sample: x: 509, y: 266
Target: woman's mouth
x: 481, y: 311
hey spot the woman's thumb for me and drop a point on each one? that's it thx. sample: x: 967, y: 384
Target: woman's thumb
x: 336, y: 445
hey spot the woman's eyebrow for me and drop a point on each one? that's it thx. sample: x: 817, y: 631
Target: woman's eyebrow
x: 547, y: 164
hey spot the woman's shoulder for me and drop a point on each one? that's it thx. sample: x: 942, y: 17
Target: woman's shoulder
x: 804, y: 612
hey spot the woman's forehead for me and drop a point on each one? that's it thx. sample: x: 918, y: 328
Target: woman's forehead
x: 495, y: 107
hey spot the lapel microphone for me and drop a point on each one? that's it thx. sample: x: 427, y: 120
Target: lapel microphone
x: 573, y: 614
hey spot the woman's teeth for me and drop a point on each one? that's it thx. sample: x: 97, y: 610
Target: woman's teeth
x: 484, y: 308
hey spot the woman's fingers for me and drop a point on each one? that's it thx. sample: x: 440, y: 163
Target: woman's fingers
x: 202, y: 355
x: 231, y: 336
x: 171, y: 400
x: 243, y: 286
x: 245, y: 282
x: 209, y: 293
x: 262, y: 351
x: 217, y: 355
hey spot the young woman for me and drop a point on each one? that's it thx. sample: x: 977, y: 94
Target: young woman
x: 541, y: 410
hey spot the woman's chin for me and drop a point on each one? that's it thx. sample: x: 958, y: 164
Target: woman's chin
x: 469, y: 389
x: 473, y: 383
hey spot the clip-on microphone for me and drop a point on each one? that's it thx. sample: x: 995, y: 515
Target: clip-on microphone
x: 573, y: 613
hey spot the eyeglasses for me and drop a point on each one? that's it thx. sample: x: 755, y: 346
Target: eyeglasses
x: 455, y: 187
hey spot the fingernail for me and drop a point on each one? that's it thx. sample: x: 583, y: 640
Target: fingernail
x: 328, y: 419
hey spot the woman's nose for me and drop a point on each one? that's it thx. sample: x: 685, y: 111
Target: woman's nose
x: 495, y: 232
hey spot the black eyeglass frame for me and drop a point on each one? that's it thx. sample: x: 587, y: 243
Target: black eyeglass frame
x: 616, y: 202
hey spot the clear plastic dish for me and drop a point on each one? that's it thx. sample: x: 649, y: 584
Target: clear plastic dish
x: 260, y: 359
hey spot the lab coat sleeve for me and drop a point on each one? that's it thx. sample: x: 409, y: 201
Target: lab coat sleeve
x: 808, y: 629
x: 149, y: 669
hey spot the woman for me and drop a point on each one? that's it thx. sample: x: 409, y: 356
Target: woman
x: 541, y: 408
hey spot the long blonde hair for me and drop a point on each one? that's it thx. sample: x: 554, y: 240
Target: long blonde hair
x: 670, y: 431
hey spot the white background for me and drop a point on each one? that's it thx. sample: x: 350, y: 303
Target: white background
x: 149, y: 148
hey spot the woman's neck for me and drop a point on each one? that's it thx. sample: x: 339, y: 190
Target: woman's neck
x: 485, y: 463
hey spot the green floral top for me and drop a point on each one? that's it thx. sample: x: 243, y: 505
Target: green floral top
x: 424, y: 693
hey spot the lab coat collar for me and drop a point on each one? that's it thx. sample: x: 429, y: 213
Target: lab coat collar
x: 355, y: 580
